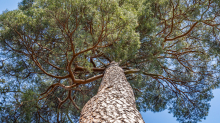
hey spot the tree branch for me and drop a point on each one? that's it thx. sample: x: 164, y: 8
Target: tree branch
x: 171, y: 39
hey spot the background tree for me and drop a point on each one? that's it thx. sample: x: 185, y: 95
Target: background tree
x: 60, y: 48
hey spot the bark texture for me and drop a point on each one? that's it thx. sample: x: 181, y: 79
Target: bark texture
x: 114, y: 102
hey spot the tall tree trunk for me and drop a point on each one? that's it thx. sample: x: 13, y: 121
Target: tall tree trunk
x: 114, y: 102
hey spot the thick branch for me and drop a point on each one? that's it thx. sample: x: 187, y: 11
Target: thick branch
x: 171, y: 39
x: 54, y: 85
x: 78, y: 68
x: 80, y: 81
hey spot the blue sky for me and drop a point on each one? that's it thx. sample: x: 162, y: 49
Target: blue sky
x: 149, y: 117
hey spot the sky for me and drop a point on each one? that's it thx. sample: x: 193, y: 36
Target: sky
x: 149, y: 117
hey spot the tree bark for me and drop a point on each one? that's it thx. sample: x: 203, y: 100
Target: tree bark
x: 114, y: 102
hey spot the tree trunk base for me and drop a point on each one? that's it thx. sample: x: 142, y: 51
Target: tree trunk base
x: 114, y: 102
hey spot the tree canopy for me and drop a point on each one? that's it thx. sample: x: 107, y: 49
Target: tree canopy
x: 54, y: 52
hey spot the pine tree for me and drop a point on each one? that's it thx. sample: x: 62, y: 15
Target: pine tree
x: 54, y: 54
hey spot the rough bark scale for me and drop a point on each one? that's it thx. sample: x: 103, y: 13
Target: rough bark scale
x: 114, y: 102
